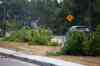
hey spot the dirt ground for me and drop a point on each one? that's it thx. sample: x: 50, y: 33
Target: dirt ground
x: 30, y: 49
x: 89, y: 61
x: 43, y: 50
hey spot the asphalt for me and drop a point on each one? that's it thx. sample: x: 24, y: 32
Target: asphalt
x: 5, y: 61
x: 40, y: 60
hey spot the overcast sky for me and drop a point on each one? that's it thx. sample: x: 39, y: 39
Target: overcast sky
x: 60, y: 1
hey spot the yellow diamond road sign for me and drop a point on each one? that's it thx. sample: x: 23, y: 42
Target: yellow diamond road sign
x: 70, y: 18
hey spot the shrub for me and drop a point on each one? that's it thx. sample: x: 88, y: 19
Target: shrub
x: 79, y: 43
x: 74, y: 43
x: 95, y: 48
x: 91, y: 46
x: 21, y: 35
x: 41, y: 36
x: 87, y: 46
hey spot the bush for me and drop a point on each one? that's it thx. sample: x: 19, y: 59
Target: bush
x: 95, y: 46
x: 87, y: 47
x: 21, y: 35
x: 74, y: 43
x: 41, y: 36
x: 80, y: 44
x: 92, y: 46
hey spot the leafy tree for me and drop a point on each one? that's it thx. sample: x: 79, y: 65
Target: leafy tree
x: 51, y: 13
x: 86, y: 11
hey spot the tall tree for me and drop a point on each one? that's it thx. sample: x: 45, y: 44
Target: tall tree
x: 84, y: 10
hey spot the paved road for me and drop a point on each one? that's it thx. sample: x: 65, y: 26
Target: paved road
x: 43, y: 61
x: 14, y: 62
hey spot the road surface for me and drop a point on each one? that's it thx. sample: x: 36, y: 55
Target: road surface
x: 14, y: 62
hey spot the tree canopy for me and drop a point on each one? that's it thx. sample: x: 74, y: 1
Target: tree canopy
x: 51, y: 13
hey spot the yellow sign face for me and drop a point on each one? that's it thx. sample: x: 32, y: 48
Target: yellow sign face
x: 70, y: 18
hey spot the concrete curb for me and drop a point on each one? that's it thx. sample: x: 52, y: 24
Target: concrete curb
x: 40, y: 60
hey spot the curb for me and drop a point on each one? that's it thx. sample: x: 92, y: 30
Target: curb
x: 39, y: 60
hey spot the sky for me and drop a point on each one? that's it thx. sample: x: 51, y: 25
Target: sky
x: 60, y: 1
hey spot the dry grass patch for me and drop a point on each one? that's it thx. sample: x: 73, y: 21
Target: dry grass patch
x: 90, y: 61
x: 30, y: 49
